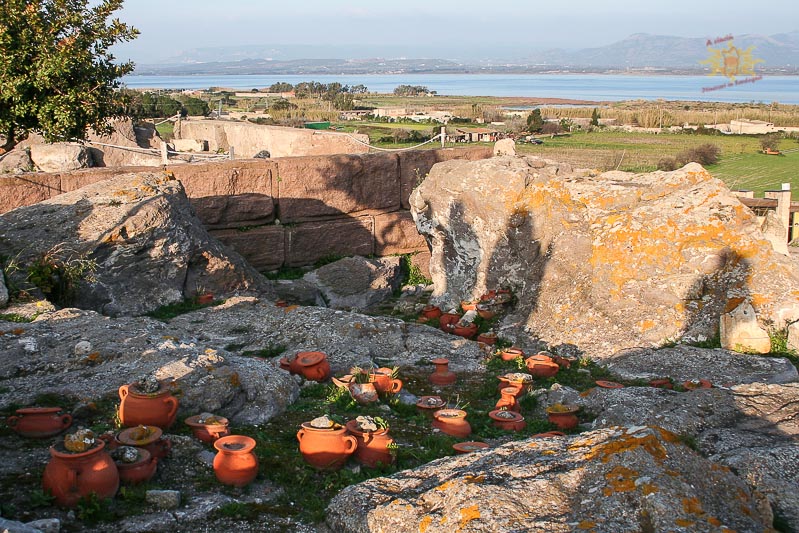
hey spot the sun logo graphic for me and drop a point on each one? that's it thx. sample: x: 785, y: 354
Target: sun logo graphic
x: 731, y: 62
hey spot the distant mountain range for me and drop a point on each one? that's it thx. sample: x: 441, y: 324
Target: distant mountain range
x: 655, y: 53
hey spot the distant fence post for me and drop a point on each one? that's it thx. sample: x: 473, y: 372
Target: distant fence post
x: 443, y: 135
x: 164, y: 154
x: 231, y: 153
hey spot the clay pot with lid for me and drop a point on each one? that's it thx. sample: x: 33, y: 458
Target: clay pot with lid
x: 563, y: 416
x: 486, y: 311
x: 325, y: 448
x: 469, y: 447
x: 313, y: 366
x: 147, y: 437
x: 139, y: 471
x: 452, y: 422
x: 430, y: 404
x: 431, y: 312
x: 510, y: 354
x: 487, y: 338
x: 373, y: 446
x: 39, y: 422
x: 442, y: 375
x: 508, y: 400
x: 70, y: 477
x: 447, y: 321
x: 469, y: 305
x: 541, y: 366
x: 158, y: 408
x: 208, y: 431
x: 697, y: 384
x: 507, y: 420
x: 466, y: 331
x: 519, y: 381
x: 235, y: 463
x: 384, y: 382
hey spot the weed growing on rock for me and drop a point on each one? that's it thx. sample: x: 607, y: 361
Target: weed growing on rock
x: 165, y: 313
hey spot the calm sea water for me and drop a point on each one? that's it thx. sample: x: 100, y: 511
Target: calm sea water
x: 783, y: 89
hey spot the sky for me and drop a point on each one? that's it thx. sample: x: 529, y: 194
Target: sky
x: 168, y: 28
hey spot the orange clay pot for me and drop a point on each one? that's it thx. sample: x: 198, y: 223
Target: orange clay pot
x: 608, y: 384
x: 447, y: 321
x: 469, y: 306
x: 205, y: 299
x: 69, y: 477
x: 508, y: 400
x: 325, y: 449
x: 39, y: 422
x: 452, y: 422
x: 507, y: 420
x: 469, y: 447
x: 372, y: 445
x: 154, y: 409
x: 509, y: 354
x: 430, y: 404
x: 661, y: 383
x: 384, y: 383
x: 521, y: 387
x: 442, y: 375
x: 487, y: 338
x: 697, y: 384
x: 235, y: 464
x: 152, y: 441
x: 363, y: 393
x: 208, y: 432
x: 313, y: 366
x: 431, y: 312
x: 541, y: 366
x: 140, y: 471
x: 563, y: 419
x: 467, y: 332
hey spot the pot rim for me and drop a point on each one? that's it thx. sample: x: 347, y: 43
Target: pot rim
x: 440, y: 361
x: 352, y: 427
x: 423, y: 405
x: 247, y: 442
x: 99, y: 444
x: 163, y: 390
x: 608, y: 384
x: 144, y: 457
x: 458, y: 413
x: 571, y: 409
x: 516, y: 416
x: 38, y: 410
x: 470, y: 446
x: 306, y: 359
x: 124, y: 438
x: 340, y: 429
x: 192, y: 422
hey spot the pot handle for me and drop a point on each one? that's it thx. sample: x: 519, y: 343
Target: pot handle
x: 166, y: 445
x: 123, y: 391
x: 300, y: 434
x: 12, y: 421
x: 66, y: 420
x: 353, y: 443
x: 173, y: 402
x: 396, y: 386
x: 72, y: 479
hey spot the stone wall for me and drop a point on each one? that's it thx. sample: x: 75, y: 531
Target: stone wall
x: 287, y: 211
x: 248, y: 139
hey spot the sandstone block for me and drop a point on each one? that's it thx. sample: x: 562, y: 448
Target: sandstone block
x: 60, y: 157
x: 505, y: 147
x: 333, y: 185
x: 396, y: 233
x: 16, y: 162
x: 190, y: 145
x: 21, y: 191
x: 262, y: 247
x: 219, y: 212
x: 311, y: 241
x: 740, y: 331
x: 226, y: 178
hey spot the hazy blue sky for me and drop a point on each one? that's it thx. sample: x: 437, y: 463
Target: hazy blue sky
x: 167, y: 28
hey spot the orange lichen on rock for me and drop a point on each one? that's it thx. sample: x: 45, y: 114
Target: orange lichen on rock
x: 626, y: 443
x: 713, y: 521
x: 683, y: 522
x: 425, y: 523
x: 621, y: 479
x: 692, y: 506
x: 649, y: 488
x: 475, y: 479
x: 468, y: 514
x: 444, y: 486
x: 586, y: 524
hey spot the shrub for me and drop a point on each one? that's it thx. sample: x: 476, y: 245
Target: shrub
x: 667, y: 163
x: 769, y: 142
x: 704, y: 154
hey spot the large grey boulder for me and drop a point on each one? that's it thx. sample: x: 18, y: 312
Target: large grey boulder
x: 3, y: 291
x: 140, y: 230
x: 604, y: 262
x: 59, y: 157
x: 355, y: 283
x: 611, y: 480
x: 16, y: 161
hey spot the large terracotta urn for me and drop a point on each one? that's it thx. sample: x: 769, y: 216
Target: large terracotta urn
x: 39, y: 422
x: 235, y: 463
x: 374, y: 447
x: 157, y: 408
x: 70, y: 477
x: 325, y: 448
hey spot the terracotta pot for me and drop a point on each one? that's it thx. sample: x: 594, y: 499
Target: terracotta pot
x: 661, y: 383
x: 325, y: 449
x: 205, y: 299
x: 466, y: 332
x: 562, y: 362
x: 487, y: 338
x: 344, y: 381
x: 447, y: 321
x: 208, y: 432
x: 509, y: 354
x: 486, y: 312
x: 564, y: 419
x: 281, y: 303
x: 363, y: 393
x: 138, y: 472
x: 431, y: 312
x: 442, y: 375
x: 430, y: 404
x: 452, y: 422
x: 488, y: 296
x: 372, y: 445
x: 383, y: 381
x: 608, y: 384
x: 469, y: 447
x: 521, y: 387
x: 39, y: 422
x: 148, y: 409
x: 697, y: 384
x: 313, y: 366
x: 508, y: 400
x: 541, y: 366
x: 70, y: 477
x: 507, y: 420
x: 469, y: 305
x: 235, y: 464
x: 150, y: 441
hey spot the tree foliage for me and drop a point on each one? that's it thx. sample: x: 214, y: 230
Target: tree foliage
x: 57, y: 76
x: 535, y: 122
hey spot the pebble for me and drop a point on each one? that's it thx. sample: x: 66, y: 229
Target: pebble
x: 163, y: 499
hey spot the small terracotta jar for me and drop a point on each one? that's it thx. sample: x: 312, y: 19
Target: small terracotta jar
x: 509, y: 354
x: 697, y: 384
x: 313, y: 366
x: 147, y: 437
x: 488, y: 296
x: 205, y: 299
x: 468, y: 331
x: 373, y: 446
x: 70, y: 477
x: 39, y: 422
x: 563, y: 416
x: 664, y: 383
x: 148, y: 409
x: 470, y: 305
x: 521, y: 385
x: 487, y: 338
x: 541, y: 366
x: 235, y: 463
x: 442, y: 375
x: 447, y: 321
x: 608, y: 384
x: 430, y: 404
x: 507, y: 420
x: 363, y: 393
x: 143, y: 469
x: 508, y: 400
x: 452, y: 422
x: 485, y: 311
x: 431, y: 312
x: 325, y: 448
x: 383, y: 381
x: 208, y: 432
x: 469, y: 447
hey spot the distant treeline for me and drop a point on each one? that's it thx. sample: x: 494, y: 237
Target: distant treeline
x: 314, y: 89
x: 140, y: 105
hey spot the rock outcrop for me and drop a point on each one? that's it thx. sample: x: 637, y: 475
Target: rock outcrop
x: 355, y: 283
x: 606, y: 261
x: 60, y: 157
x: 610, y: 480
x: 141, y: 232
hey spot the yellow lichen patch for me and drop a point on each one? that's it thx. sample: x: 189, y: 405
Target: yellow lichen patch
x: 548, y: 452
x: 468, y: 514
x: 647, y: 324
x: 682, y: 522
x: 586, y: 524
x: 713, y: 521
x: 673, y: 473
x: 732, y: 303
x: 444, y: 486
x: 626, y: 443
x: 692, y: 506
x: 727, y: 530
x: 17, y: 331
x: 475, y: 479
x: 425, y: 523
x: 621, y: 479
x: 607, y: 491
x: 290, y: 308
x: 586, y: 392
x: 649, y: 488
x: 357, y: 325
x: 668, y: 436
